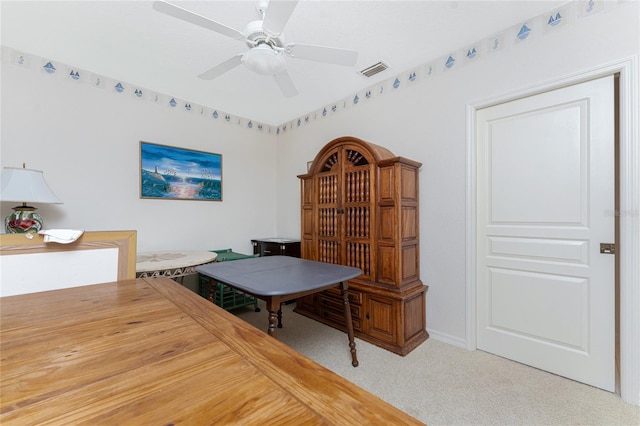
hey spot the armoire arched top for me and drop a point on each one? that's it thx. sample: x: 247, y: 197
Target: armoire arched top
x: 370, y: 153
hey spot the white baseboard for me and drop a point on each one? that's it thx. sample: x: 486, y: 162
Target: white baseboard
x: 447, y: 338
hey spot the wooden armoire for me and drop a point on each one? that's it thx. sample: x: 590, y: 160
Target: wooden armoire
x: 360, y: 208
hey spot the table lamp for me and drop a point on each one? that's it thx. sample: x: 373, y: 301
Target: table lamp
x: 25, y: 186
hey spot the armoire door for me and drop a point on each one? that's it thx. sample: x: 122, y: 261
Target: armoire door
x: 345, y: 209
x: 329, y: 236
x: 358, y: 212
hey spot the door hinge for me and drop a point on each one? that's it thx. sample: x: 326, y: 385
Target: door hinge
x: 608, y: 248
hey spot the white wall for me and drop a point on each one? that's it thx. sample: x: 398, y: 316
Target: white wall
x: 86, y: 140
x: 427, y: 123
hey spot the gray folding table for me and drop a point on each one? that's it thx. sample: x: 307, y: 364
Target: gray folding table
x: 277, y: 279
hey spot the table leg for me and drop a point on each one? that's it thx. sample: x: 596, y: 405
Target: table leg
x: 344, y: 286
x: 275, y: 315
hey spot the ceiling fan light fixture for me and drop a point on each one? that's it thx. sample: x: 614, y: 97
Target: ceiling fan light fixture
x: 264, y: 60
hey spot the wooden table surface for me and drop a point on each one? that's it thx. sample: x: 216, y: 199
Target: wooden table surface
x: 151, y: 352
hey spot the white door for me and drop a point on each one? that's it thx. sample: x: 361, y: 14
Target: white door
x: 545, y: 202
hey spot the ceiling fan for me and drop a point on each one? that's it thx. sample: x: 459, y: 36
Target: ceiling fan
x: 266, y: 43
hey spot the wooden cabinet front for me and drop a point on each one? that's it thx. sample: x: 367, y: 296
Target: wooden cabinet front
x: 359, y: 207
x: 380, y: 315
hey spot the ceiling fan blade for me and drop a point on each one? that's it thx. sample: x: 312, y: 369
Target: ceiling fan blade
x: 286, y: 84
x: 277, y: 15
x: 193, y: 18
x: 221, y: 68
x: 331, y: 55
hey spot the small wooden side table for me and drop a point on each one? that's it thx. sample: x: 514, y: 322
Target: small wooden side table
x: 173, y: 264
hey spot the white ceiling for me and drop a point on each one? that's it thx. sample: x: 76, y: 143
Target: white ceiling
x: 130, y: 41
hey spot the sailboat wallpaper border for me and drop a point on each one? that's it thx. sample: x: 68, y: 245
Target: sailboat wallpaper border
x: 173, y: 173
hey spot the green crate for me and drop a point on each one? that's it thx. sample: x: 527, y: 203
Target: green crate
x: 228, y: 254
x: 224, y: 296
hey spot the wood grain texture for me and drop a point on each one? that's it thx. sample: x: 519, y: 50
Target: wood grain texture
x: 360, y: 207
x: 149, y: 351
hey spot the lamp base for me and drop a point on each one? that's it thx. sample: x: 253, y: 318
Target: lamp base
x: 23, y: 220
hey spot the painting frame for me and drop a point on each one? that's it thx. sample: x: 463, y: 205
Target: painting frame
x: 177, y: 173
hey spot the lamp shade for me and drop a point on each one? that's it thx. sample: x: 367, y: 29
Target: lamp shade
x: 26, y: 186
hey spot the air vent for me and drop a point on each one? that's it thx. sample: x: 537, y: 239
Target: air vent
x: 374, y: 69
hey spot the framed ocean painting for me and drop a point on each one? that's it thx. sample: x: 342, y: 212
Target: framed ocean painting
x: 173, y: 173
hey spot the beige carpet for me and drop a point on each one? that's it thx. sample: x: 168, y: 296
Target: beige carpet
x: 441, y: 384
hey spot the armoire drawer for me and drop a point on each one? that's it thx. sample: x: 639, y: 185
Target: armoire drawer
x: 328, y: 302
x: 355, y: 297
x: 338, y: 317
